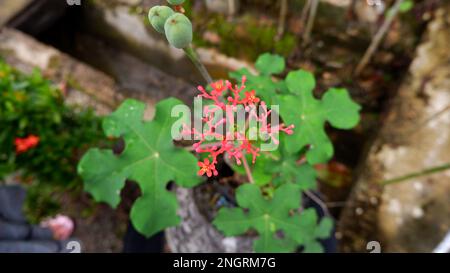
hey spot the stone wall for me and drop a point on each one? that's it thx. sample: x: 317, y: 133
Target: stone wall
x: 413, y: 215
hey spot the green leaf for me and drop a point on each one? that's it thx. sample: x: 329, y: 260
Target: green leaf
x: 271, y: 216
x: 265, y: 216
x: 103, y: 183
x: 341, y: 111
x: 269, y: 64
x: 308, y: 120
x: 309, y: 115
x: 149, y: 158
x: 406, y: 6
x: 324, y: 228
x: 266, y: 88
x: 301, y: 82
x: 290, y: 172
x: 305, y: 230
x: 313, y: 247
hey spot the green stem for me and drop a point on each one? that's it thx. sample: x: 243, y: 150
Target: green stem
x: 201, y: 68
x: 417, y: 174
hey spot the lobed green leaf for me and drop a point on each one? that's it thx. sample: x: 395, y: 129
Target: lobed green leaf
x: 149, y: 158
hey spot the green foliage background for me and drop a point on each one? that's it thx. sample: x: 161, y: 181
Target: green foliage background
x: 30, y: 104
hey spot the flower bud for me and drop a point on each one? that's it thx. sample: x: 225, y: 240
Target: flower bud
x: 178, y: 30
x: 158, y: 16
x: 175, y: 2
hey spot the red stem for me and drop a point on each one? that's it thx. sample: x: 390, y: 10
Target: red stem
x: 247, y: 170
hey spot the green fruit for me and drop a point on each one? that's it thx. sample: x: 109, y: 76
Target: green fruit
x: 158, y: 16
x: 175, y: 2
x: 178, y: 30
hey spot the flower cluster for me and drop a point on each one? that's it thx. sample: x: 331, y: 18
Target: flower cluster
x: 233, y: 143
x: 24, y: 144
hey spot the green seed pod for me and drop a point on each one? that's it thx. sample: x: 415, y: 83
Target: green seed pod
x: 178, y: 30
x: 175, y: 2
x: 158, y: 16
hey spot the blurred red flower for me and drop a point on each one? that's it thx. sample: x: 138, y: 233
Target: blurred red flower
x: 24, y: 144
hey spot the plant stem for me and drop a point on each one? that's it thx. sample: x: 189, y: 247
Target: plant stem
x: 231, y: 9
x: 247, y: 170
x: 417, y: 174
x: 318, y: 201
x: 190, y: 52
x: 282, y: 19
x: 310, y: 23
x: 378, y: 37
x: 305, y: 12
x: 205, y: 146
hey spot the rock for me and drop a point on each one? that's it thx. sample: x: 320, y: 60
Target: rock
x: 197, y: 235
x: 227, y: 7
x: 132, y: 77
x: 413, y: 215
x: 93, y: 88
x: 369, y: 13
x: 10, y: 8
x: 39, y: 15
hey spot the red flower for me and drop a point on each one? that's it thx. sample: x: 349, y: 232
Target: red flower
x: 233, y: 143
x: 251, y: 98
x: 218, y: 87
x: 24, y: 144
x: 208, y: 168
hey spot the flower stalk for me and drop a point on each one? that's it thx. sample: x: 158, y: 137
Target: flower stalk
x: 248, y: 171
x: 190, y: 52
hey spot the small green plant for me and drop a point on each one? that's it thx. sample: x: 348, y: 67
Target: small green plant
x: 40, y: 135
x: 269, y: 199
x: 245, y: 38
x: 269, y: 216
